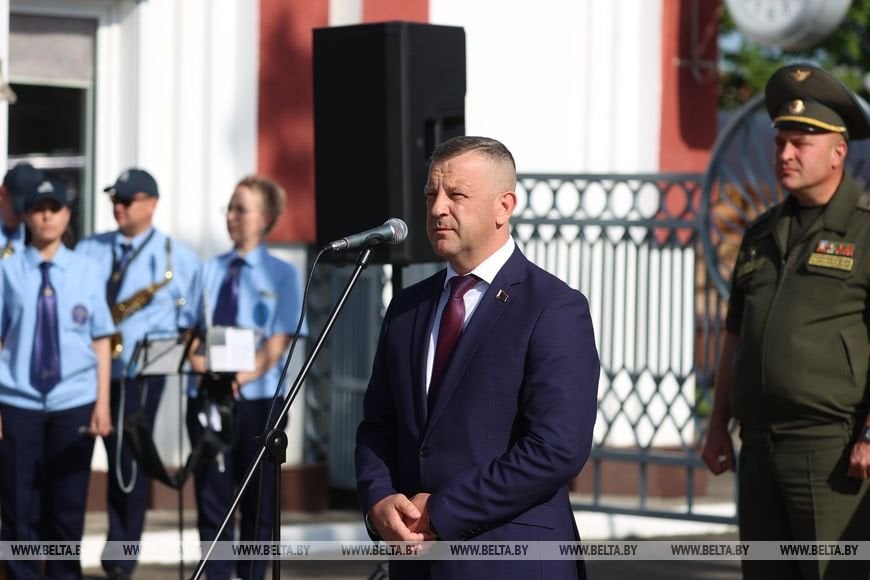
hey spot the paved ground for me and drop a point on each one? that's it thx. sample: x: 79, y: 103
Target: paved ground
x: 167, y: 521
x: 320, y: 570
x: 361, y: 570
x: 720, y: 489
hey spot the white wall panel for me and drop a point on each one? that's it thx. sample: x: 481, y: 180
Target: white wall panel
x: 198, y: 67
x: 568, y: 85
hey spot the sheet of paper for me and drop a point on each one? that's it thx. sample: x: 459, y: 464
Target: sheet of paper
x: 159, y: 357
x: 231, y: 349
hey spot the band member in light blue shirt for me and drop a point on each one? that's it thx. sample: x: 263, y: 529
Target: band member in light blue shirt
x: 246, y: 287
x: 146, y: 277
x: 53, y: 402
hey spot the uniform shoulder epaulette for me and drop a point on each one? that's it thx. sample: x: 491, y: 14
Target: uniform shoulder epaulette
x: 864, y: 201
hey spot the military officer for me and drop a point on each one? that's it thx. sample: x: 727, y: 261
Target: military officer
x: 147, y: 276
x: 794, y: 365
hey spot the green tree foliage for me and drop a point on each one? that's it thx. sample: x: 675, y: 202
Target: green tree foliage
x: 745, y: 66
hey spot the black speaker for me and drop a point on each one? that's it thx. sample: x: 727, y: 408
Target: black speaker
x: 385, y: 95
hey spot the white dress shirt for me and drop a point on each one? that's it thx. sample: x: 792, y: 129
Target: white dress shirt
x: 486, y: 272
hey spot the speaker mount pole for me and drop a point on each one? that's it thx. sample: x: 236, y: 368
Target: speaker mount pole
x: 396, y: 278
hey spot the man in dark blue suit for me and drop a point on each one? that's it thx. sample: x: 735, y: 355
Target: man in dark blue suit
x: 478, y: 441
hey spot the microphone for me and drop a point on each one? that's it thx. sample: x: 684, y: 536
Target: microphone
x: 394, y: 231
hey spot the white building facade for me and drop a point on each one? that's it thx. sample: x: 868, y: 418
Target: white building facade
x: 203, y: 92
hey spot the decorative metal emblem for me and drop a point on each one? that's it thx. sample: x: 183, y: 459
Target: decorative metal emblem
x: 796, y: 107
x: 799, y: 75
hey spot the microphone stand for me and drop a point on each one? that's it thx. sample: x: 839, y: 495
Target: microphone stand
x: 275, y: 442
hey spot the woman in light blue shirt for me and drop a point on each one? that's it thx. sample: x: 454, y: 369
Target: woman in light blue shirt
x: 53, y: 402
x: 249, y: 288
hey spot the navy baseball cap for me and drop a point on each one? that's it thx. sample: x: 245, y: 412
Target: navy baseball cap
x: 20, y: 181
x: 47, y: 189
x: 131, y: 182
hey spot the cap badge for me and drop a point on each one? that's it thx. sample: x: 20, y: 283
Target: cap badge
x: 796, y: 107
x: 800, y: 74
x: 45, y: 187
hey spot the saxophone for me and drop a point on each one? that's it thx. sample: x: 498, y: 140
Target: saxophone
x: 7, y: 250
x: 123, y: 309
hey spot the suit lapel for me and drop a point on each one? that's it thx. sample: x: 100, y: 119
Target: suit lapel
x: 492, y: 305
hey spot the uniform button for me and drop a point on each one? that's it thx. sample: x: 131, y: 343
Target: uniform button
x: 425, y: 452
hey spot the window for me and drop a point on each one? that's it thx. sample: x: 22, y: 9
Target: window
x: 51, y: 70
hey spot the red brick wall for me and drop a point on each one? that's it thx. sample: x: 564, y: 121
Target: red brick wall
x: 285, y: 121
x: 689, y: 104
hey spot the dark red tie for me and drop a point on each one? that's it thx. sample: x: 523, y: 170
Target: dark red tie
x: 452, y: 320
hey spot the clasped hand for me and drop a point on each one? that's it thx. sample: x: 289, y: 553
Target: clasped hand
x: 400, y: 519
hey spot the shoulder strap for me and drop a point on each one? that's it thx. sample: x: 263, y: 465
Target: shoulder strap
x: 140, y: 439
x: 141, y: 443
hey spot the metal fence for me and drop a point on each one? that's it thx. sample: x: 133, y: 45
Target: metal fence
x: 633, y: 245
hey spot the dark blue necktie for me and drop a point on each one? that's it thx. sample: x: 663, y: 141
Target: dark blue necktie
x: 114, y: 285
x: 45, y: 359
x: 227, y: 308
x: 126, y: 249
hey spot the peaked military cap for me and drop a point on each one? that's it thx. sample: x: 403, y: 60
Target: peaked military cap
x: 806, y: 98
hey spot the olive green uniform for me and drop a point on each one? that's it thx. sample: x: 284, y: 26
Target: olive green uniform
x: 800, y: 379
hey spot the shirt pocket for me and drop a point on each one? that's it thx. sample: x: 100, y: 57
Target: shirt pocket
x: 828, y: 271
x: 827, y: 283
